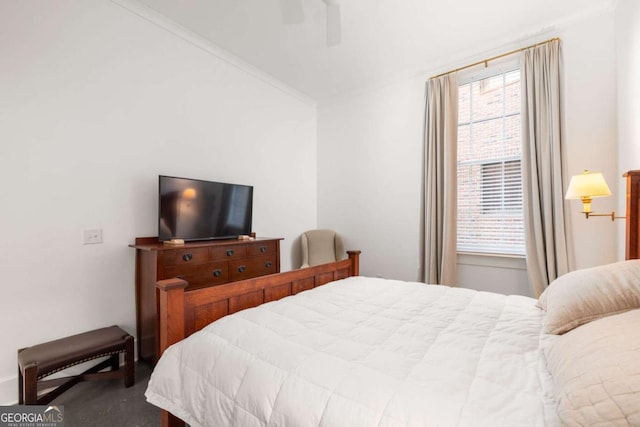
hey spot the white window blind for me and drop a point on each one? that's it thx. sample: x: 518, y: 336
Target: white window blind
x: 490, y: 214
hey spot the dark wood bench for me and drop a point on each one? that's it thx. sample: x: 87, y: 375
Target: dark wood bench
x: 39, y: 361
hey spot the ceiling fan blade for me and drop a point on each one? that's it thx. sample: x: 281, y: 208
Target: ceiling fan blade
x: 292, y: 12
x: 333, y: 23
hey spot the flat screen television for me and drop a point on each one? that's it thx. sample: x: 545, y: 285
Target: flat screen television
x: 193, y: 209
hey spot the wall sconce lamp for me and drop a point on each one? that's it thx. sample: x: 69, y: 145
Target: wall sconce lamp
x: 585, y: 187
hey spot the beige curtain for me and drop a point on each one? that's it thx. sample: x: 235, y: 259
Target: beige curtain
x: 542, y: 166
x: 440, y: 172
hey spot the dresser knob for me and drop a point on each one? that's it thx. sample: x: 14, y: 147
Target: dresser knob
x: 217, y: 273
x: 268, y: 264
x: 242, y: 268
x: 230, y: 252
x: 263, y: 249
x: 187, y: 257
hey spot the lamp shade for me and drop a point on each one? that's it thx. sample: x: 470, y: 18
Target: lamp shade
x: 587, y: 185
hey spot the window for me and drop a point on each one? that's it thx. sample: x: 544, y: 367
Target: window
x: 490, y: 215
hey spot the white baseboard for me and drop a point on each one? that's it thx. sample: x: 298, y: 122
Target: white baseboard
x: 9, y: 390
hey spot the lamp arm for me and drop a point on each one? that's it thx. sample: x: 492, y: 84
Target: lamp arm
x: 611, y: 215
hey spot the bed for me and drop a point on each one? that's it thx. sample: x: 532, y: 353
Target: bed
x: 323, y: 346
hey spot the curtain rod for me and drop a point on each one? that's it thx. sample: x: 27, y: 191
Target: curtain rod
x: 493, y: 58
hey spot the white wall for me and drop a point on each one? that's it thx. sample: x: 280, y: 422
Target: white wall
x: 369, y: 172
x: 628, y: 70
x: 370, y: 148
x: 95, y: 102
x: 590, y: 130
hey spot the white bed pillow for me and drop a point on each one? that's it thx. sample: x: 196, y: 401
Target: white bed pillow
x: 588, y: 294
x: 596, y: 372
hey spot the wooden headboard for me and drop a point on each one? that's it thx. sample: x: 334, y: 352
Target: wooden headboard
x: 632, y: 245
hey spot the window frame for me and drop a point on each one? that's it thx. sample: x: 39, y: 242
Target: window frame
x: 469, y: 77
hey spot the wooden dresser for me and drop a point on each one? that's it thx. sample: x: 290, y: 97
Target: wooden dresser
x: 202, y: 264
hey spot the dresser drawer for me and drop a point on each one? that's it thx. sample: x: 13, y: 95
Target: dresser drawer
x: 186, y: 256
x: 252, y: 267
x: 200, y: 274
x: 230, y: 252
x: 262, y: 248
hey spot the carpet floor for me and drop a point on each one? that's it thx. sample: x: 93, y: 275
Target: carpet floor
x: 109, y: 403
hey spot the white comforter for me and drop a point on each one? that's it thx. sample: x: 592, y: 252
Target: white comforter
x: 364, y: 352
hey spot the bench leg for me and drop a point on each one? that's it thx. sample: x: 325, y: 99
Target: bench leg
x: 129, y: 364
x: 30, y: 385
x: 20, y: 387
x: 115, y: 361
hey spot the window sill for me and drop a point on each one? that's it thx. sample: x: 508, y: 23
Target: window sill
x: 517, y: 262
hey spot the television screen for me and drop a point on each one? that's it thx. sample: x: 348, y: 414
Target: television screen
x: 192, y: 209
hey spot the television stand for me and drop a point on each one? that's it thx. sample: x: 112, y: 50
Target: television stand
x: 202, y: 264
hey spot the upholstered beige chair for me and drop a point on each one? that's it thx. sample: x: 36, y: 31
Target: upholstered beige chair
x: 321, y: 247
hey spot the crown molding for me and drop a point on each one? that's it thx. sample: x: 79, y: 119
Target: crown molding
x: 152, y: 16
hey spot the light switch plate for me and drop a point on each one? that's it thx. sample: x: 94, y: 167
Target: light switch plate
x: 92, y: 237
